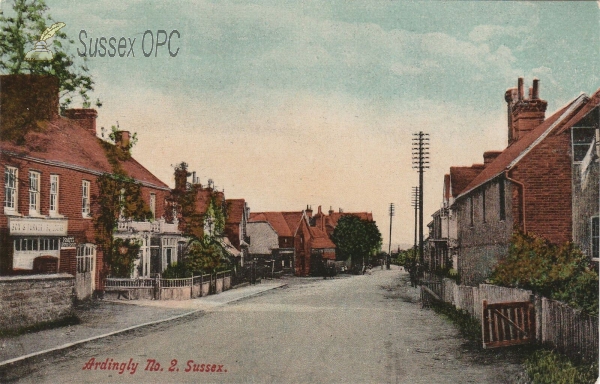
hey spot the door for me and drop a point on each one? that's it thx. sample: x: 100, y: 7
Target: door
x: 85, y: 278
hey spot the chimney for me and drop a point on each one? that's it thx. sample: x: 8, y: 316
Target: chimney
x: 309, y: 211
x: 330, y: 210
x: 122, y: 139
x: 524, y: 114
x: 490, y: 156
x: 520, y: 88
x: 25, y: 99
x: 319, y: 210
x: 536, y: 89
x: 86, y: 118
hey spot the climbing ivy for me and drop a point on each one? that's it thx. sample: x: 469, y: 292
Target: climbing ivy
x: 118, y: 196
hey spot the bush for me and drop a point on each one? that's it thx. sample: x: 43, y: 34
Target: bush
x: 548, y: 367
x: 561, y: 273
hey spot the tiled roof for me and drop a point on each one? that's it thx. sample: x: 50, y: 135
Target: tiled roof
x: 62, y: 142
x: 320, y: 240
x: 591, y: 103
x: 235, y: 210
x: 334, y: 217
x: 461, y: 177
x: 513, y: 153
x: 277, y: 220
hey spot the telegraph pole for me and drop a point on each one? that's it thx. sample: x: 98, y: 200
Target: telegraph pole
x: 387, y: 261
x: 420, y: 163
x: 415, y: 205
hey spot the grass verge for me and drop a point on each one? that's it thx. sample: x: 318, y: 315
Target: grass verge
x: 549, y: 367
x: 468, y: 326
x: 66, y: 321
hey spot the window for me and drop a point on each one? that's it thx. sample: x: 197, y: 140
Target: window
x: 502, y: 199
x: 53, y: 194
x: 153, y: 205
x: 471, y: 211
x: 85, y: 198
x: 36, y: 244
x: 595, y: 237
x: 581, y: 138
x: 10, y: 188
x: 483, y: 204
x: 85, y: 258
x: 34, y: 192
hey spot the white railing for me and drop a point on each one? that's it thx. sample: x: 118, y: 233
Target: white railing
x: 157, y: 226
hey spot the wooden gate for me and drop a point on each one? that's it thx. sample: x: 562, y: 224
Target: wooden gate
x: 505, y: 324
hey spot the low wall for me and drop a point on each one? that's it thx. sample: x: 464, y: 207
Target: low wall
x: 29, y: 300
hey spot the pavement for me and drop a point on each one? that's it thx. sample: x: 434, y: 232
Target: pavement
x: 106, y: 318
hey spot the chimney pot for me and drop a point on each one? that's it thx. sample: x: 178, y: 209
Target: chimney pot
x: 536, y: 89
x: 122, y: 139
x: 520, y: 87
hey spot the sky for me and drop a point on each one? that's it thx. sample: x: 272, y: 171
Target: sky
x: 296, y: 103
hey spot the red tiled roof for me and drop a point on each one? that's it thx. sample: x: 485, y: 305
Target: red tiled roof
x: 513, y: 153
x: 461, y: 177
x: 235, y: 210
x: 293, y: 220
x: 64, y: 143
x: 334, y: 217
x: 320, y: 240
x: 592, y: 103
x: 277, y: 221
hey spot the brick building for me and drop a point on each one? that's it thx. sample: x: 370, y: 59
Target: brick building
x: 528, y: 186
x: 50, y: 167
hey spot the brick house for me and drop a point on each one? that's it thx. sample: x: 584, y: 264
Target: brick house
x: 50, y: 167
x: 528, y: 186
x: 312, y: 247
x: 285, y: 225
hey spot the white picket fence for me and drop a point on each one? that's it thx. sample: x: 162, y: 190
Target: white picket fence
x: 557, y: 325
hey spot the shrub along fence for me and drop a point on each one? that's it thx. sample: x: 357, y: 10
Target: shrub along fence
x: 558, y: 326
x: 168, y: 289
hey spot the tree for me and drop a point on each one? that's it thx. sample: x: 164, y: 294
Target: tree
x: 19, y: 34
x: 560, y: 272
x: 205, y: 255
x: 356, y: 239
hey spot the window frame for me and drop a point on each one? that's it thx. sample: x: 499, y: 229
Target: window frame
x: 85, y: 198
x: 53, y: 195
x: 34, y: 193
x: 14, y: 177
x: 152, y: 204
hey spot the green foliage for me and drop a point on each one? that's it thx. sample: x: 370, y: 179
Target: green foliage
x: 356, y: 239
x: 205, y: 255
x: 406, y: 258
x: 21, y: 30
x: 562, y: 272
x: 215, y: 215
x: 122, y: 257
x: 182, y: 203
x: 548, y: 367
x: 118, y: 195
x: 176, y: 271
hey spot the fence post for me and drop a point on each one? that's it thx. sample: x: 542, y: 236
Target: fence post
x: 192, y: 288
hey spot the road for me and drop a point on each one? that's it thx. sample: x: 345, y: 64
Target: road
x: 359, y: 329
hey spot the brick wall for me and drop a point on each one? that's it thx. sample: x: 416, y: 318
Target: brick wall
x: 29, y: 300
x: 546, y: 174
x: 484, y: 243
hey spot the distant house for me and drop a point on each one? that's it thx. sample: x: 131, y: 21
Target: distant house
x: 236, y: 226
x: 313, y: 248
x: 285, y: 225
x: 528, y: 186
x: 264, y: 241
